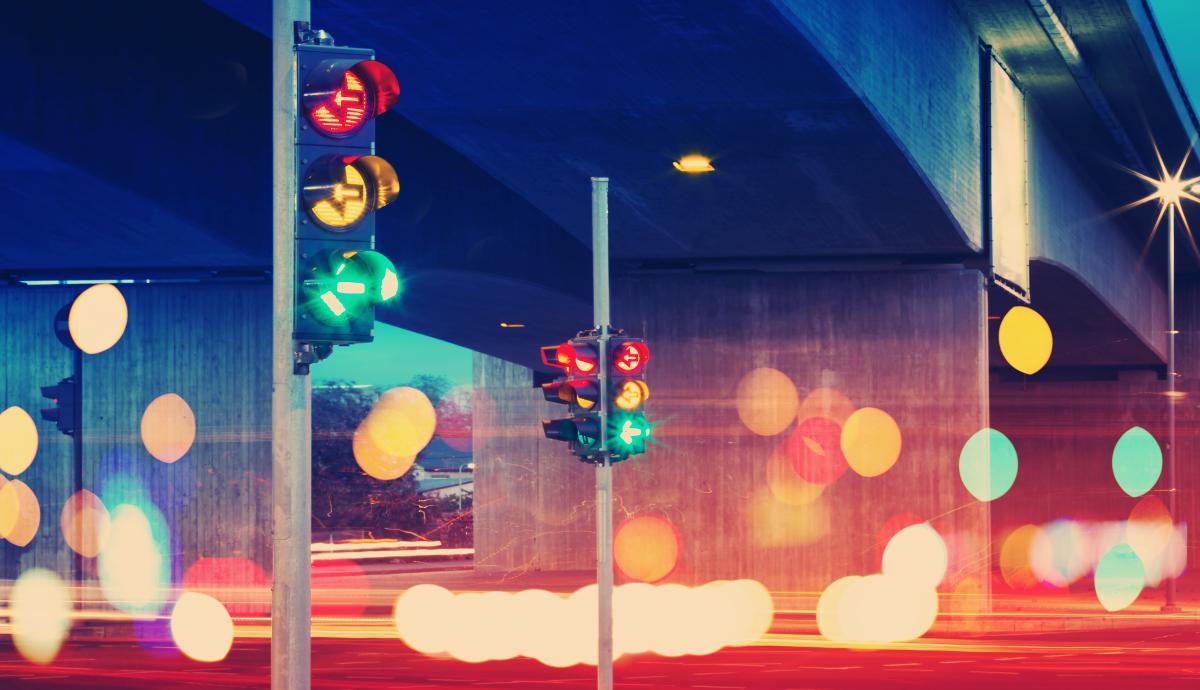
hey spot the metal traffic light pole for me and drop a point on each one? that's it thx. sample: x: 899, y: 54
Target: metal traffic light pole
x: 604, y: 482
x: 291, y: 394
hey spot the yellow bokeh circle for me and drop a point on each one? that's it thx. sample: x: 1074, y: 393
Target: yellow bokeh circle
x: 1025, y: 340
x: 97, y: 318
x: 871, y: 441
x: 767, y: 401
x: 646, y: 547
x: 168, y: 427
x: 18, y: 440
x: 402, y: 422
x: 85, y: 523
x: 374, y: 461
x: 20, y: 513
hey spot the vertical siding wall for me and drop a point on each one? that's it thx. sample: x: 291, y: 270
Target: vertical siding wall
x: 913, y: 344
x: 208, y: 344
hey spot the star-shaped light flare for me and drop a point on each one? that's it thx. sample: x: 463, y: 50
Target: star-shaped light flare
x: 1169, y: 190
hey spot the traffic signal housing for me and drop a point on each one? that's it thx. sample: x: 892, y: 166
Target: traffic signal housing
x: 66, y: 411
x: 606, y: 396
x: 627, y: 393
x: 341, y: 183
x: 580, y: 390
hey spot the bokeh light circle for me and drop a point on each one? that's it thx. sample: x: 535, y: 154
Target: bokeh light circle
x: 916, y: 557
x: 1137, y: 461
x: 422, y: 617
x: 829, y: 403
x: 1149, y: 532
x: 646, y: 547
x: 40, y: 614
x: 402, y: 422
x: 1015, y: 553
x: 787, y: 486
x: 1119, y: 578
x: 133, y: 564
x: 201, y: 627
x: 814, y: 451
x: 987, y: 464
x: 373, y: 461
x: 767, y: 401
x: 168, y: 427
x: 20, y: 512
x: 97, y: 318
x: 871, y: 441
x: 1025, y: 340
x: 1061, y: 553
x: 18, y: 441
x: 829, y: 608
x: 85, y: 523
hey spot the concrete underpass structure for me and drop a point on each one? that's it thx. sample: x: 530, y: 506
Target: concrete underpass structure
x: 890, y: 179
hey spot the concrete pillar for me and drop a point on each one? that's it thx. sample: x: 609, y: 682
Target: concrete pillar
x: 912, y: 343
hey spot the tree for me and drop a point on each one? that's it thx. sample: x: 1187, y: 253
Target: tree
x: 345, y: 497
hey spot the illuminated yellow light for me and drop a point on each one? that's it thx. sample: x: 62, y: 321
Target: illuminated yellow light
x: 349, y: 288
x: 334, y: 304
x: 402, y: 422
x: 505, y: 324
x: 693, y: 164
x: 346, y: 204
x: 168, y: 428
x: 97, y: 318
x: 389, y: 287
x: 631, y: 395
x: 584, y: 366
x: 201, y: 627
x: 20, y: 442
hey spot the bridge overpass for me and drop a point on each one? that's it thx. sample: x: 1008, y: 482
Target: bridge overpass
x: 890, y: 178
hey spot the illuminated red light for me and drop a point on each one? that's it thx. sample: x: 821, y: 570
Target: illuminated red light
x: 629, y: 357
x: 341, y: 95
x: 345, y: 109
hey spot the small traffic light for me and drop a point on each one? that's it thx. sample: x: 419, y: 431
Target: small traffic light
x: 580, y: 389
x: 607, y: 404
x: 340, y: 278
x: 66, y: 412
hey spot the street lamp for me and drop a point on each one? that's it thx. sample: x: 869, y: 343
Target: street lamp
x: 1169, y: 191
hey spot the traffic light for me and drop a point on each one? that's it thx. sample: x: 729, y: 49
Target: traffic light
x: 628, y: 429
x: 606, y: 396
x: 340, y: 278
x: 579, y: 389
x: 66, y: 412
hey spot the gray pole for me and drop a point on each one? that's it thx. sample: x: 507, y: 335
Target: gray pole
x: 291, y: 409
x: 604, y: 519
x: 1170, y: 604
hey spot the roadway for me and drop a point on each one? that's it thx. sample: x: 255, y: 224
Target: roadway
x: 1166, y: 657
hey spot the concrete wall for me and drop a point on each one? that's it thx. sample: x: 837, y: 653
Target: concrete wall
x: 207, y: 344
x: 910, y: 343
x: 1072, y: 227
x: 925, y: 91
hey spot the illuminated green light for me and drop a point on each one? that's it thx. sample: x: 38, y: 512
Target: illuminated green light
x: 349, y: 288
x: 334, y: 304
x: 389, y: 286
x: 628, y: 433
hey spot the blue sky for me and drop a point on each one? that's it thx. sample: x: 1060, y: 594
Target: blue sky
x: 395, y: 357
x: 1179, y: 22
